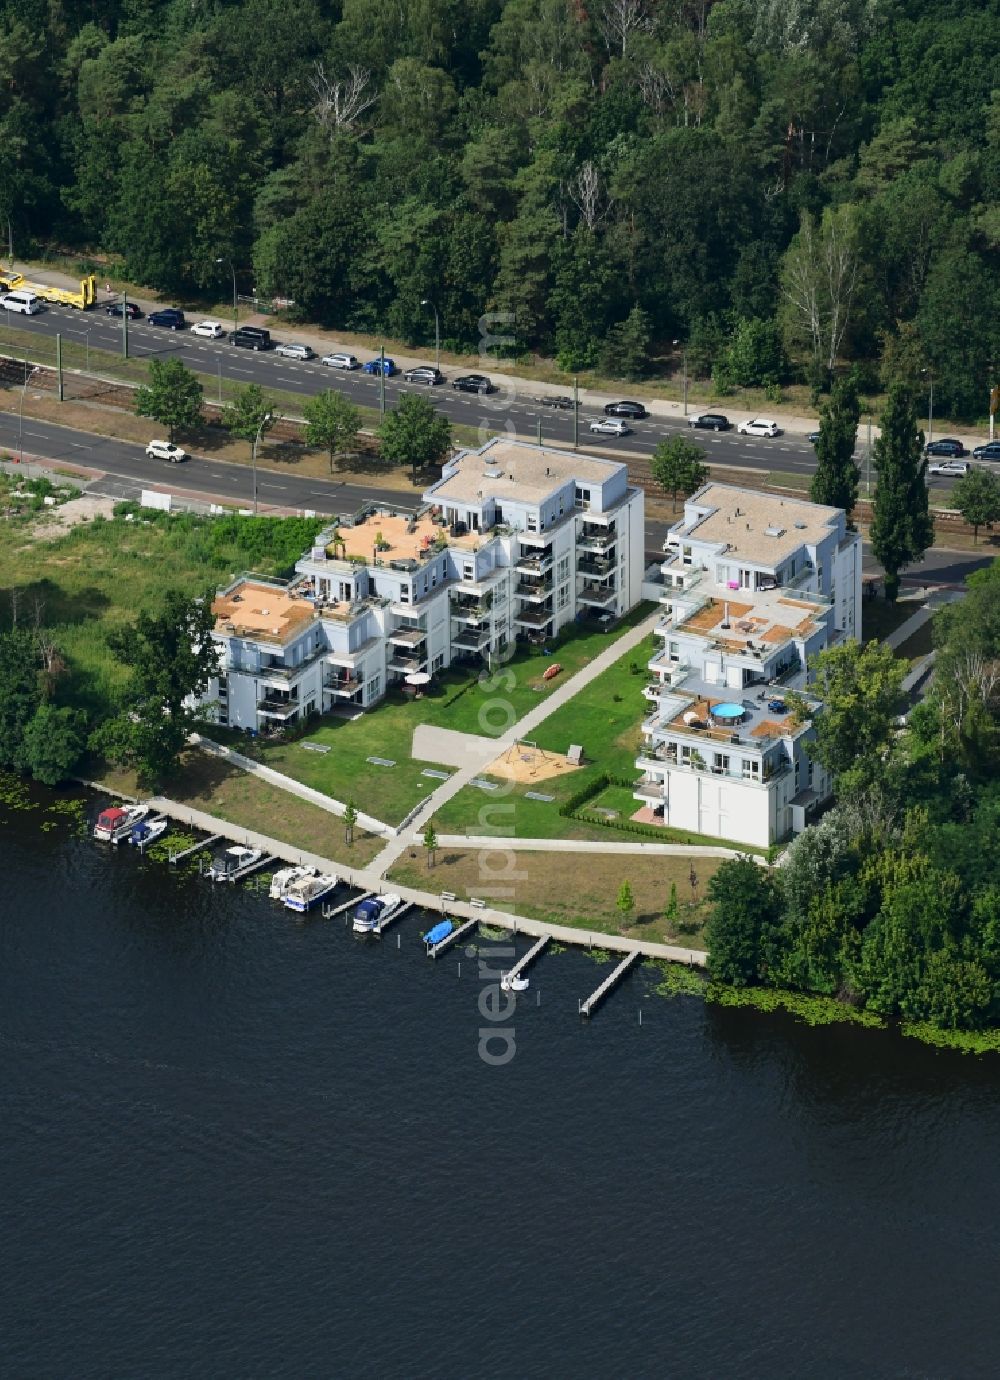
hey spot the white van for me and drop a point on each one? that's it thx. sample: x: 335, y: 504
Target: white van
x: 28, y: 303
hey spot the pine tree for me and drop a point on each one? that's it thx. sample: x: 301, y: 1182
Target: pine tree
x: 835, y: 482
x: 902, y: 527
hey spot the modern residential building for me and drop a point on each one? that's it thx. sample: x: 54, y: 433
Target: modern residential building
x: 754, y: 585
x: 513, y: 541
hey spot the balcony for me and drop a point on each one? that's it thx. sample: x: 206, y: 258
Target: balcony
x: 470, y: 639
x: 597, y: 566
x: 407, y: 637
x: 595, y: 539
x: 470, y: 609
x: 539, y: 589
x: 533, y: 618
x: 278, y: 672
x: 401, y: 660
x: 277, y: 708
x: 533, y: 565
x: 343, y: 685
x: 648, y: 789
x: 597, y: 596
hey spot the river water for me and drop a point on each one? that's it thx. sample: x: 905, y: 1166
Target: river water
x: 235, y: 1145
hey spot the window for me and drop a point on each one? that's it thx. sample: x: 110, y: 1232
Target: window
x: 532, y: 522
x: 562, y: 571
x: 563, y: 597
x: 404, y: 594
x: 720, y: 764
x: 469, y: 570
x: 721, y: 574
x: 673, y: 651
x: 374, y: 688
x: 686, y: 555
x: 751, y: 769
x: 438, y: 662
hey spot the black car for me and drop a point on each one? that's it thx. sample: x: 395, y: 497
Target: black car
x: 562, y: 403
x: 946, y: 446
x: 250, y: 338
x: 128, y: 309
x: 710, y: 421
x: 424, y: 373
x: 171, y: 317
x: 474, y: 383
x: 633, y: 410
x: 990, y: 451
x: 813, y: 437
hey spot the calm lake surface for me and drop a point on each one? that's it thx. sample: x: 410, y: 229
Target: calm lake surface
x: 235, y: 1145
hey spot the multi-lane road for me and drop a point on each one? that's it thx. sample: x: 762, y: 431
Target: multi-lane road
x: 516, y: 409
x: 128, y: 469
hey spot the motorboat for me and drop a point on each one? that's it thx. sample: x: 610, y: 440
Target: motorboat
x: 372, y: 913
x: 147, y: 831
x: 439, y: 931
x: 117, y: 821
x: 230, y: 861
x: 306, y: 892
x: 284, y: 878
x: 513, y: 984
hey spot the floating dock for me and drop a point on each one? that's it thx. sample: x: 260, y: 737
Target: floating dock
x: 588, y: 1007
x: 330, y: 912
x: 195, y: 848
x: 252, y: 867
x: 529, y: 957
x: 452, y: 938
x: 397, y: 914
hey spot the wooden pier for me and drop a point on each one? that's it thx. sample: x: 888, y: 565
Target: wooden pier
x: 391, y: 919
x: 588, y: 1007
x: 453, y: 938
x: 195, y: 848
x: 330, y: 912
x: 528, y: 958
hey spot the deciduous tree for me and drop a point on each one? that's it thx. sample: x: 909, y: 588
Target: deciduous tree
x: 977, y: 498
x: 902, y: 528
x: 415, y: 434
x: 173, y: 396
x: 333, y: 422
x: 54, y: 741
x: 678, y: 465
x: 744, y: 911
x: 859, y: 687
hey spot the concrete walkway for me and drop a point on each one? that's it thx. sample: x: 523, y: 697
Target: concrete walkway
x: 522, y: 729
x: 589, y: 846
x: 369, y: 879
x: 905, y: 630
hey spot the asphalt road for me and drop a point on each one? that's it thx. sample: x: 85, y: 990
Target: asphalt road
x: 129, y: 469
x: 520, y: 412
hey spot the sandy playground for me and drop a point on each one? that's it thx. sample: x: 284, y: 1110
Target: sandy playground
x: 527, y: 763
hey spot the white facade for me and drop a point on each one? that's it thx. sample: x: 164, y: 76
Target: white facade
x: 754, y: 585
x: 514, y: 541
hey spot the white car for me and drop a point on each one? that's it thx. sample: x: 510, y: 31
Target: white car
x: 211, y: 330
x: 953, y: 469
x: 294, y: 351
x: 611, y: 426
x: 340, y: 361
x: 759, y: 426
x: 165, y: 450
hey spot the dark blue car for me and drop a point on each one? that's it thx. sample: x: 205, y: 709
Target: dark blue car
x: 375, y: 366
x: 171, y: 317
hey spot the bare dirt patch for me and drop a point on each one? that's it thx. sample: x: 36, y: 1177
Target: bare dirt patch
x: 54, y: 522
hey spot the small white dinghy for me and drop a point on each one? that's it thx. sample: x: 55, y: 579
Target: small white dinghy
x: 513, y: 984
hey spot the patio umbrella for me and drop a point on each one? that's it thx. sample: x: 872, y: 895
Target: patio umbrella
x: 417, y: 678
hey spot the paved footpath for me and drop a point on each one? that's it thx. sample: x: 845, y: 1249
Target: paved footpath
x: 590, y: 846
x: 522, y: 729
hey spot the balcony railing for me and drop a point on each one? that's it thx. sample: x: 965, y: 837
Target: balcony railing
x: 596, y: 595
x: 278, y: 708
x: 277, y: 670
x: 533, y: 565
x: 408, y: 637
x: 471, y: 640
x: 591, y: 565
x: 533, y: 618
x: 539, y: 590
x: 650, y: 790
x: 597, y: 539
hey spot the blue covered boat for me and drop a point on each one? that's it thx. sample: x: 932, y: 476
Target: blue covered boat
x: 440, y: 931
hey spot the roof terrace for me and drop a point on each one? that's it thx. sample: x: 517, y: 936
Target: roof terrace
x: 261, y: 609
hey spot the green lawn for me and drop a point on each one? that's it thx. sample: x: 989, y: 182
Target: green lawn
x: 604, y: 718
x: 486, y: 707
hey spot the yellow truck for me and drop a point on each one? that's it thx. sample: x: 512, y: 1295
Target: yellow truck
x: 82, y: 300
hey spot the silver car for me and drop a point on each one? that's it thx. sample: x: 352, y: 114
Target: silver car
x: 341, y: 361
x: 293, y: 351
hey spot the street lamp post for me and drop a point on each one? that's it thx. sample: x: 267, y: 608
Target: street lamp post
x: 930, y: 405
x: 87, y: 365
x: 236, y: 310
x: 684, y: 358
x: 20, y: 415
x: 264, y: 422
x: 426, y: 302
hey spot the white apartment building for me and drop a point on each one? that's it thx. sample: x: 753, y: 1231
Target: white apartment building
x: 754, y: 585
x: 513, y: 541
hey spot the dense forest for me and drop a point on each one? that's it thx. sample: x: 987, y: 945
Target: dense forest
x: 753, y: 181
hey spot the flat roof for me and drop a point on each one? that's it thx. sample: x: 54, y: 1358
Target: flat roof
x: 252, y: 608
x: 505, y: 468
x: 764, y: 528
x: 402, y: 538
x: 764, y: 619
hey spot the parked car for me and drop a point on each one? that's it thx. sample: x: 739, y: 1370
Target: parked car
x: 946, y: 446
x: 611, y: 426
x: 120, y: 309
x: 211, y: 330
x: 165, y: 450
x: 250, y: 338
x: 562, y: 402
x: 474, y: 383
x: 633, y: 410
x: 171, y: 317
x: 424, y: 373
x: 341, y: 361
x: 989, y: 451
x: 950, y: 469
x: 710, y: 421
x: 294, y: 351
x: 759, y: 426
x: 813, y: 437
x: 385, y: 366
